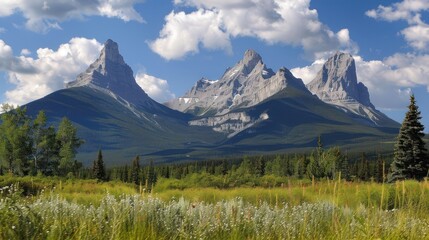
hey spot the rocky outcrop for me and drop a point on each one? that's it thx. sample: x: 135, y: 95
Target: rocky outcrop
x: 230, y: 123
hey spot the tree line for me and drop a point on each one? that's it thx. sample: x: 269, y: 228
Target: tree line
x: 30, y: 146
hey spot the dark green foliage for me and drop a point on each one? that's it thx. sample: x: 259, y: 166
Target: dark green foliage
x: 44, y: 146
x: 410, y: 154
x: 326, y: 163
x: 151, y: 176
x: 135, y: 171
x: 98, y: 168
x: 32, y: 147
x: 68, y: 143
x: 15, y: 140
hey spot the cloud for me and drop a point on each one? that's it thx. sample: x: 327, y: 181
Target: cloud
x: 215, y: 22
x: 308, y: 73
x: 389, y: 81
x: 183, y: 34
x: 405, y: 10
x: 156, y: 88
x: 25, y: 52
x: 34, y: 78
x: 43, y: 15
x: 417, y: 32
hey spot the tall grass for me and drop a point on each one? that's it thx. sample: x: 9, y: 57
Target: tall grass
x: 319, y: 210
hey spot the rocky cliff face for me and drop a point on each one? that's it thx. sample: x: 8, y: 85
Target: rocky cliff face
x: 336, y: 83
x: 246, y: 84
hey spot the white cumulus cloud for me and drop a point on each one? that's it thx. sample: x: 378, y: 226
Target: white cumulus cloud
x: 183, y: 34
x: 156, y: 88
x: 43, y: 15
x: 215, y: 22
x: 417, y: 32
x: 34, y: 78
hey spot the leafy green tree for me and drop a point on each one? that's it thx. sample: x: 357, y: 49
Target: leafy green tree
x: 68, y: 143
x: 314, y: 167
x: 410, y: 154
x: 15, y: 140
x: 98, y: 169
x: 245, y: 166
x: 44, y: 149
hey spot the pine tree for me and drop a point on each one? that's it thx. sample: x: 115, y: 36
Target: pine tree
x: 151, y: 175
x: 135, y: 171
x: 410, y: 153
x: 98, y: 169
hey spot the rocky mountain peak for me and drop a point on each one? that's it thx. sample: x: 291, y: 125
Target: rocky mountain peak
x: 110, y: 73
x: 251, y: 59
x: 110, y: 52
x: 337, y: 82
x: 340, y: 67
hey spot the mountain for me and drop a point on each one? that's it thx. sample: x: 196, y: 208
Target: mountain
x: 113, y: 113
x: 262, y: 111
x: 249, y: 110
x: 336, y: 84
x: 246, y: 84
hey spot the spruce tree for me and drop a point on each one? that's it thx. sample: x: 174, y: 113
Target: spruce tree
x: 135, y: 171
x: 410, y: 153
x: 151, y: 176
x: 98, y: 169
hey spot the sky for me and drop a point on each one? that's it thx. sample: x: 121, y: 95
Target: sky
x: 170, y: 44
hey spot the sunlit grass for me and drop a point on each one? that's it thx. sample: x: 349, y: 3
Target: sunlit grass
x: 85, y: 209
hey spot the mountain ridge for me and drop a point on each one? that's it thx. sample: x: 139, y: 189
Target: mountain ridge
x: 249, y: 109
x: 247, y: 83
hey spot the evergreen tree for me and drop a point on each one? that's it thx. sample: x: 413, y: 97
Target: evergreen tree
x: 151, y: 175
x: 135, y: 171
x: 98, y: 169
x: 410, y: 153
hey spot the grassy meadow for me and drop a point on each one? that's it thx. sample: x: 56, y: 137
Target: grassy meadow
x: 56, y: 208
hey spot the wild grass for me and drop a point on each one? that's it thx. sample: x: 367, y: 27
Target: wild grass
x: 310, y: 210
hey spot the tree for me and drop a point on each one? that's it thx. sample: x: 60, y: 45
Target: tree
x: 314, y: 167
x: 43, y: 145
x: 151, y: 176
x: 98, y: 169
x: 15, y: 140
x: 410, y: 153
x: 135, y: 170
x: 68, y: 143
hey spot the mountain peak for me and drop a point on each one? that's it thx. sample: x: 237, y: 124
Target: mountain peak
x: 337, y: 81
x: 110, y: 72
x: 251, y: 59
x: 111, y: 53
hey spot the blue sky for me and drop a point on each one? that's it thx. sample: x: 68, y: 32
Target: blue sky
x: 170, y: 44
